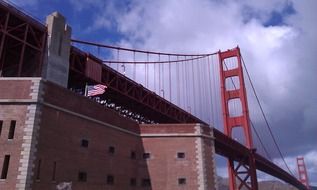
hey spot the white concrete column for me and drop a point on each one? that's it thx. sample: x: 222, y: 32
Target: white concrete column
x: 56, y: 67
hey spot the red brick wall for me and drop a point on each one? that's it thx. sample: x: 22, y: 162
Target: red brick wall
x: 163, y: 142
x: 164, y: 166
x: 11, y: 147
x: 15, y: 89
x: 67, y: 118
x: 168, y: 128
x: 58, y: 96
x: 60, y: 138
x: 12, y: 89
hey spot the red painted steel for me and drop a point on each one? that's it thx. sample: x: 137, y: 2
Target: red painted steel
x: 230, y: 148
x: 243, y: 170
x: 125, y: 91
x: 22, y: 43
x: 302, y: 172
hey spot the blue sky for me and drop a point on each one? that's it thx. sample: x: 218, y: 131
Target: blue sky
x: 83, y: 16
x: 277, y: 39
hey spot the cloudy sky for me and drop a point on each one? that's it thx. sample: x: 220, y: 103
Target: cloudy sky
x: 277, y: 39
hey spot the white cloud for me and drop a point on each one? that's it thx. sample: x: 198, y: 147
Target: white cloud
x: 99, y: 23
x: 84, y: 5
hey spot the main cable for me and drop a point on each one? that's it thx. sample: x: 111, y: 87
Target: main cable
x: 252, y: 125
x: 264, y: 116
x: 261, y: 142
x: 137, y: 50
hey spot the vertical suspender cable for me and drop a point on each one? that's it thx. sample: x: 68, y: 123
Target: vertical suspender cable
x: 178, y: 87
x: 183, y: 86
x: 118, y: 59
x: 159, y: 59
x: 170, y: 78
x: 216, y: 92
x: 163, y: 77
x: 146, y: 71
x: 199, y: 88
x: 134, y: 67
x: 204, y: 86
x: 194, y: 89
x: 187, y: 85
x: 210, y: 91
x: 154, y: 77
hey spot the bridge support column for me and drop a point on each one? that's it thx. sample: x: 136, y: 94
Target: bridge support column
x: 242, y: 173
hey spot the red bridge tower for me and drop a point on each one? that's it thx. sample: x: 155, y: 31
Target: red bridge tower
x: 302, y: 172
x: 242, y: 173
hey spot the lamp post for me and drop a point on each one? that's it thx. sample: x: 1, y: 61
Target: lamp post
x: 123, y: 66
x: 163, y: 93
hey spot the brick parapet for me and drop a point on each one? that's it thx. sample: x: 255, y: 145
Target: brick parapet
x: 56, y: 95
x: 15, y: 88
x: 167, y: 129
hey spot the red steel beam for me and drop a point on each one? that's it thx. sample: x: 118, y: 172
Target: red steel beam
x: 228, y: 147
x: 130, y: 92
x: 29, y: 34
x: 3, y: 35
x: 21, y: 15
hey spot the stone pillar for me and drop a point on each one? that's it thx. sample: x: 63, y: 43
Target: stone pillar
x: 56, y: 67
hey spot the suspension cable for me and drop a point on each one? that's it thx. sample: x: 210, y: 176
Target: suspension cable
x: 136, y: 50
x: 261, y: 142
x: 152, y: 62
x: 264, y: 116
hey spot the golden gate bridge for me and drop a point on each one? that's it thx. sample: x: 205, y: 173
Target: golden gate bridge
x: 160, y: 87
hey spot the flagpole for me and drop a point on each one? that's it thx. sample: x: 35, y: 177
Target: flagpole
x: 86, y: 89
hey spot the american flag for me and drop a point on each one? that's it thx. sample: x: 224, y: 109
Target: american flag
x: 93, y: 90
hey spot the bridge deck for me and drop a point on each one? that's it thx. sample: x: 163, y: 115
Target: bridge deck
x: 228, y: 147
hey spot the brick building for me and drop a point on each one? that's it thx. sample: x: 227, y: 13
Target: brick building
x: 50, y: 135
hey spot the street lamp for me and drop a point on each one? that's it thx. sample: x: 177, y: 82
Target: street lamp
x: 162, y: 92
